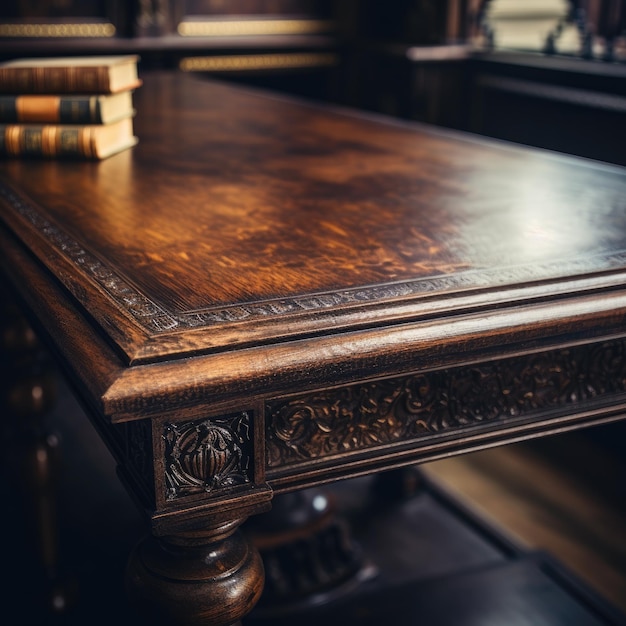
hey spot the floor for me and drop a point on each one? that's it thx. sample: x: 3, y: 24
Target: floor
x: 565, y: 494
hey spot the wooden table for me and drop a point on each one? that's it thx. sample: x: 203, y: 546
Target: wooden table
x: 266, y: 295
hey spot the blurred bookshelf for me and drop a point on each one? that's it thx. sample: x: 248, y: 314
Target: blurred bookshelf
x: 546, y: 73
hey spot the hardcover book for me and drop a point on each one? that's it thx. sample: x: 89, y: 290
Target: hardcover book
x: 84, y: 75
x: 65, y: 109
x: 94, y: 141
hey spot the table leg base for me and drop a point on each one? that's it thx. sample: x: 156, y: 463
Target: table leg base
x: 211, y: 577
x: 309, y: 553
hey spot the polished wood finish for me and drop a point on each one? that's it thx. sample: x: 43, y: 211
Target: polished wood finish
x: 209, y: 577
x: 265, y: 295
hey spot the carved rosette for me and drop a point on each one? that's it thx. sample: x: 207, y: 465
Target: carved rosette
x: 206, y: 456
x: 383, y: 412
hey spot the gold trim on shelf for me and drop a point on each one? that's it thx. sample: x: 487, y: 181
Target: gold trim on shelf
x: 256, y: 62
x: 248, y: 28
x: 57, y: 30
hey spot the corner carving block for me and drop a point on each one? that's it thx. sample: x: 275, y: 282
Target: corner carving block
x: 207, y: 456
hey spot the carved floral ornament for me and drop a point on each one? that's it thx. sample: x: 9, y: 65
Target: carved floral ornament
x: 207, y: 455
x: 377, y: 413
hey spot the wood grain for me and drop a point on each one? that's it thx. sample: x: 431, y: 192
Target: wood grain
x: 254, y: 248
x: 254, y: 254
x: 249, y: 214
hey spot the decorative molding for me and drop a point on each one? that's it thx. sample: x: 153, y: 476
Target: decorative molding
x: 374, y: 414
x: 248, y: 62
x: 156, y: 319
x: 252, y: 27
x: 142, y: 310
x: 207, y: 455
x: 81, y: 29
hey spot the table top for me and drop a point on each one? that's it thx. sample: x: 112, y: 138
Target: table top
x: 252, y: 246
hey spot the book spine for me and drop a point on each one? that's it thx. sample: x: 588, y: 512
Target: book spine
x: 84, y: 110
x: 54, y: 79
x: 46, y: 141
x: 51, y: 109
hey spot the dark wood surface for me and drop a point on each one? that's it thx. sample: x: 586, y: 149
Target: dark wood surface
x: 265, y: 295
x: 238, y: 210
x: 291, y: 247
x: 290, y: 209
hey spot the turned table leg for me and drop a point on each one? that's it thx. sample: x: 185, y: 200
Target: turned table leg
x: 208, y: 577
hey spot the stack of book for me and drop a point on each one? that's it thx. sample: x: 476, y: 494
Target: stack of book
x: 67, y: 107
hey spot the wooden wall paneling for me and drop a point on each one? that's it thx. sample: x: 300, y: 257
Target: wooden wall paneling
x: 573, y: 106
